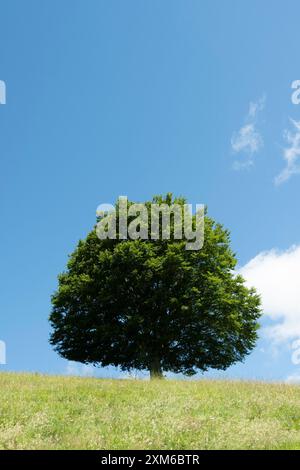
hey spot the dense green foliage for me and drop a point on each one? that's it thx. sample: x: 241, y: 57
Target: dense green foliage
x: 154, y: 305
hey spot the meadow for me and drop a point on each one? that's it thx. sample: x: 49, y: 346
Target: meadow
x: 49, y: 412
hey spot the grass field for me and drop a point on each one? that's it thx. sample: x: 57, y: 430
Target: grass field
x: 44, y: 412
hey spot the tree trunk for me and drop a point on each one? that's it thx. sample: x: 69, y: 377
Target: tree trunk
x: 155, y: 370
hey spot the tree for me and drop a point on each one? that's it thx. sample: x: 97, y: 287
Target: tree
x: 153, y: 305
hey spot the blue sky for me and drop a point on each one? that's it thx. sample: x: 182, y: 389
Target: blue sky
x: 140, y: 98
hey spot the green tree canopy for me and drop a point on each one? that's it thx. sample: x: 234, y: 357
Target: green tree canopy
x: 153, y: 305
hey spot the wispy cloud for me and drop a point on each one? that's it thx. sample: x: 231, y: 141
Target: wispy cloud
x: 248, y: 140
x: 291, y: 153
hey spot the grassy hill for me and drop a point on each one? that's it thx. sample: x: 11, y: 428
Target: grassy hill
x: 43, y: 412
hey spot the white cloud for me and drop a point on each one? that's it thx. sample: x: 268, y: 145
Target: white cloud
x: 276, y: 276
x: 291, y: 153
x: 82, y: 370
x: 293, y: 378
x: 248, y: 140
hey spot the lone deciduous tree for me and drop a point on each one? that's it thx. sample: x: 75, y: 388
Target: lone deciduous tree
x: 144, y: 304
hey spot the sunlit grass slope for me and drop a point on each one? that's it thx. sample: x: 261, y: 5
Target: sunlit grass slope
x: 42, y: 412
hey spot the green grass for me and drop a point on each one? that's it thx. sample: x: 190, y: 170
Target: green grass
x: 43, y: 412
